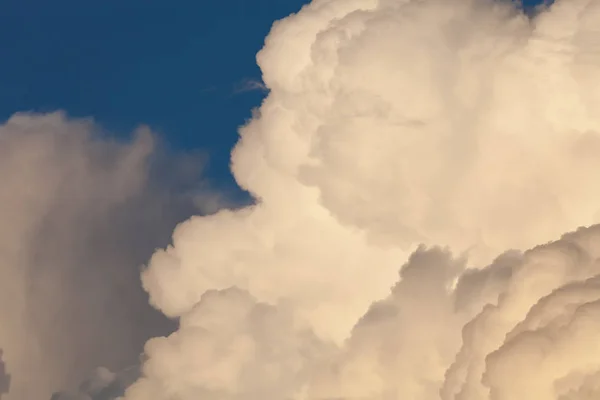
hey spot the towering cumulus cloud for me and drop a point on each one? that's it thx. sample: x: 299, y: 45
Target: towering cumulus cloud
x: 79, y: 214
x: 393, y: 126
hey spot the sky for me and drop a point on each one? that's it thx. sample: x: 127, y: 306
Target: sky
x: 177, y: 68
x: 181, y: 69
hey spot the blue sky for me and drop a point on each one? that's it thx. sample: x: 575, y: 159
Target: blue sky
x: 173, y: 66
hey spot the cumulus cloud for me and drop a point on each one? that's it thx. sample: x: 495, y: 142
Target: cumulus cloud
x: 524, y: 325
x: 80, y: 213
x: 390, y: 127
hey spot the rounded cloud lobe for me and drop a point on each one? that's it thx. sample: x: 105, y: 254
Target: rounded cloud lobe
x: 80, y: 214
x: 391, y: 127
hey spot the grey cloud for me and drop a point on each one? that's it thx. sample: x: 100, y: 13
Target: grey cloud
x: 81, y: 213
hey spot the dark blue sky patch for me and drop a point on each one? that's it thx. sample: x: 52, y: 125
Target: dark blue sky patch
x: 177, y: 67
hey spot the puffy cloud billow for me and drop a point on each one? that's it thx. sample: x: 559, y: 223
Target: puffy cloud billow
x: 392, y: 127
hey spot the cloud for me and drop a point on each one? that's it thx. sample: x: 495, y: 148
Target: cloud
x: 4, y: 377
x: 80, y: 213
x: 524, y: 325
x: 102, y: 385
x: 390, y: 124
x: 392, y: 127
x: 250, y: 85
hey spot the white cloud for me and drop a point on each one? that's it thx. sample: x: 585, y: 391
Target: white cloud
x: 389, y: 124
